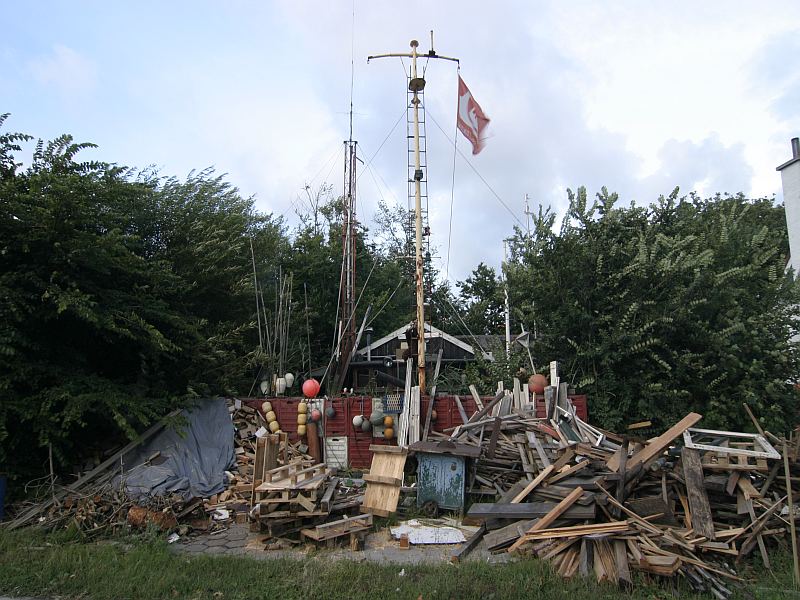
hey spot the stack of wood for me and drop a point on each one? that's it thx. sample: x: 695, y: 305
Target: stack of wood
x: 689, y: 502
x: 295, y: 495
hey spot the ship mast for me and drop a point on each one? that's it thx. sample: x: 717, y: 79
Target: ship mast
x: 416, y: 84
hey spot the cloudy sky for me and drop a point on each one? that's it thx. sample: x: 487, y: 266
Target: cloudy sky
x: 639, y: 97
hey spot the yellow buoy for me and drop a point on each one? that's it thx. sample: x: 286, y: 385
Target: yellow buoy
x: 301, y: 430
x: 388, y: 421
x: 302, y: 408
x: 274, y: 427
x: 271, y: 416
x: 301, y: 419
x: 266, y: 407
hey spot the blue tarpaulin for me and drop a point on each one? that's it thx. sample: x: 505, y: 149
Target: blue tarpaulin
x: 192, y: 459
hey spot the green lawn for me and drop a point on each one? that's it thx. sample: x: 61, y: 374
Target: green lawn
x: 33, y: 563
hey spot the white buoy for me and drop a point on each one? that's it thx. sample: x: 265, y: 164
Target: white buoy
x: 280, y: 385
x: 289, y: 380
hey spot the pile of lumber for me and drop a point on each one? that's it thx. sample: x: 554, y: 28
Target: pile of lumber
x: 295, y: 495
x: 690, y: 502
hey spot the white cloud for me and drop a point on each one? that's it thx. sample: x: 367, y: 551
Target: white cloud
x: 66, y: 70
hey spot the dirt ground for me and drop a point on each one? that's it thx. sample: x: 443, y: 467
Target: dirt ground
x: 379, y: 547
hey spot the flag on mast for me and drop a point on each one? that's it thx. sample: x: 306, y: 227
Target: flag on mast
x: 471, y: 120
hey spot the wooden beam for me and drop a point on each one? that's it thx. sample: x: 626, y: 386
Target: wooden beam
x: 547, y: 520
x: 475, y: 396
x: 656, y: 447
x: 532, y: 510
x: 532, y: 485
x: 469, y: 545
x: 702, y: 519
x: 793, y: 529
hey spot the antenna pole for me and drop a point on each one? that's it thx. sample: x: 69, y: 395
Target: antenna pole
x: 505, y: 291
x: 416, y: 85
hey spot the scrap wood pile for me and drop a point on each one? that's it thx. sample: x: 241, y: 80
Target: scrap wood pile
x: 97, y: 501
x: 690, y: 502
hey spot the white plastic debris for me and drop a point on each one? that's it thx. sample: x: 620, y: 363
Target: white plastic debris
x: 428, y: 533
x: 262, y: 431
x: 173, y: 537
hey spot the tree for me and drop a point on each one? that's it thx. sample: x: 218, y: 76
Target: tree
x: 656, y: 311
x: 122, y: 296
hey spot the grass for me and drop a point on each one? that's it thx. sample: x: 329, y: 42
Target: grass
x: 38, y: 564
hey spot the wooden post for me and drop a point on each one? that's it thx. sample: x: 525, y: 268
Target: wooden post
x: 792, y: 525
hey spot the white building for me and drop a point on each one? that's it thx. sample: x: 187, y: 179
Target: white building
x: 790, y: 178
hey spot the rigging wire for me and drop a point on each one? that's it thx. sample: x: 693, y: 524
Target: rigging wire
x: 388, y: 135
x: 486, y: 183
x: 452, y: 191
x: 385, y: 304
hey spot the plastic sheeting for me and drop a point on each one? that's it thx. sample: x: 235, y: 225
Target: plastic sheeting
x: 193, y: 458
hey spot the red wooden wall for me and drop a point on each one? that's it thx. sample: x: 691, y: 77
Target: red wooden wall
x: 358, y: 442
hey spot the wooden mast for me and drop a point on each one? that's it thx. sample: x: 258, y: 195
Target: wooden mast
x: 416, y: 84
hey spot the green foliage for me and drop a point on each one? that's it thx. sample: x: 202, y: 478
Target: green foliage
x: 656, y: 311
x: 122, y: 295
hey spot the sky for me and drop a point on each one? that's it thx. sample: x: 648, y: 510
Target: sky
x: 639, y: 97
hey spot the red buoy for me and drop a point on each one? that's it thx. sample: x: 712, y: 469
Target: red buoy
x: 310, y: 388
x: 537, y: 383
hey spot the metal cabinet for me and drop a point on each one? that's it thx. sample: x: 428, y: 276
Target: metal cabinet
x: 442, y: 474
x: 440, y: 478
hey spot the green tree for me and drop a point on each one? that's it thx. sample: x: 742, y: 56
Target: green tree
x: 122, y: 296
x: 656, y: 311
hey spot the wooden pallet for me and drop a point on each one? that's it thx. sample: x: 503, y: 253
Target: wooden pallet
x: 293, y: 477
x: 327, y: 532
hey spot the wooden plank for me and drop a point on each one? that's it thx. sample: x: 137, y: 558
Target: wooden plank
x: 490, y: 452
x: 469, y: 545
x: 792, y: 526
x: 656, y: 447
x: 621, y: 560
x: 753, y: 419
x: 530, y: 510
x: 505, y: 536
x: 475, y: 396
x: 370, y: 478
x: 547, y: 520
x: 432, y: 397
x: 577, y: 531
x: 377, y: 448
x: 461, y: 411
x: 569, y: 471
x: 702, y: 519
x: 532, y: 485
x: 534, y: 440
x: 381, y: 498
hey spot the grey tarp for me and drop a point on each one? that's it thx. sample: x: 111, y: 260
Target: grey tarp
x: 193, y: 459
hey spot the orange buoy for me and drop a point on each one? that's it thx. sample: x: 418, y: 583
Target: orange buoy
x: 537, y: 383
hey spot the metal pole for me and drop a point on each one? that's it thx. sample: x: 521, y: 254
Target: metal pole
x: 416, y: 85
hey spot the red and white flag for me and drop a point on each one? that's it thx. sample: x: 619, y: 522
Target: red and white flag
x: 471, y: 120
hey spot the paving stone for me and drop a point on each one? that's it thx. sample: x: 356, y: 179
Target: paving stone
x: 239, y: 533
x: 196, y: 547
x: 215, y: 550
x: 217, y: 541
x: 236, y: 543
